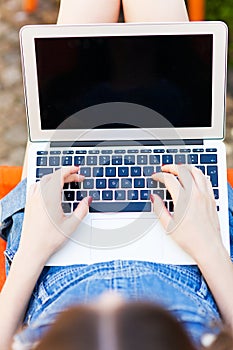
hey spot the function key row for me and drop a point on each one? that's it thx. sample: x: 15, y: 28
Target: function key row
x: 129, y: 151
x: 143, y: 159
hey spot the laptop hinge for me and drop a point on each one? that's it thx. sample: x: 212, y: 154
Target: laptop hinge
x: 125, y: 143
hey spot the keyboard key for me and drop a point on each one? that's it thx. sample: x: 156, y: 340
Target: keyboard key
x: 171, y: 207
x: 40, y: 172
x: 146, y: 151
x: 95, y: 195
x: 94, y: 151
x: 167, y: 159
x: 85, y: 171
x: 142, y: 159
x: 192, y: 159
x: 132, y: 195
x: 211, y: 150
x: 148, y: 170
x: 216, y: 193
x: 66, y: 207
x: 75, y: 185
x: 54, y: 161
x: 139, y: 183
x: 100, y: 183
x: 98, y: 172
x: 198, y: 150
x: 41, y: 161
x: 185, y: 150
x: 129, y: 160
x: 117, y: 160
x: 42, y: 153
x: 212, y: 172
x: 88, y: 184
x: 119, y: 195
x: 65, y: 186
x: 154, y: 159
x: 53, y: 153
x: 104, y: 160
x: 135, y: 171
x: 132, y: 151
x: 66, y: 161
x: 145, y: 194
x: 126, y: 183
x: 168, y: 195
x: 106, y: 151
x: 172, y: 150
x: 68, y: 196
x: 75, y: 205
x: 81, y: 152
x: 180, y: 159
x: 159, y: 150
x: 113, y: 183
x: 208, y: 159
x: 110, y: 172
x: 91, y: 160
x: 80, y: 195
x: 151, y: 183
x: 115, y: 207
x: 159, y: 193
x: 79, y: 160
x: 120, y: 151
x: 68, y: 152
x: 123, y: 171
x: 107, y: 195
x: 201, y: 167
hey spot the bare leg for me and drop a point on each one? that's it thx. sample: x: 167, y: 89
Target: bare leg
x: 88, y: 11
x: 155, y: 11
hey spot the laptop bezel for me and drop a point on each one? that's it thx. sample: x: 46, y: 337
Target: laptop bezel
x: 220, y: 36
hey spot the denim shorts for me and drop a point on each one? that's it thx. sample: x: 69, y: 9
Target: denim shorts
x: 180, y: 289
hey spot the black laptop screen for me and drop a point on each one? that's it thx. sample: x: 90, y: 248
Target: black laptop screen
x: 171, y: 75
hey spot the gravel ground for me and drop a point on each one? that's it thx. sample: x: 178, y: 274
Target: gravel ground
x: 13, y: 132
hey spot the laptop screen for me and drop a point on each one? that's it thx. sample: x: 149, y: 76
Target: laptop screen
x: 168, y: 74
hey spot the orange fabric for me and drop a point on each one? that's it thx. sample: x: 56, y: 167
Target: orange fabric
x: 30, y: 5
x: 9, y: 177
x: 196, y: 10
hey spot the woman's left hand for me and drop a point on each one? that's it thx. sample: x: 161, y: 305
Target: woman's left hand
x: 46, y: 228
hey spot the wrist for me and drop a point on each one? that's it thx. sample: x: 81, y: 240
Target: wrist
x: 215, y: 255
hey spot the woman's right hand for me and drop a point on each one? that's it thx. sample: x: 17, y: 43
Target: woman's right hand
x: 194, y: 226
x: 46, y: 228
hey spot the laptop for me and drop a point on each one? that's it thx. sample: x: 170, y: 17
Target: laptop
x: 120, y: 100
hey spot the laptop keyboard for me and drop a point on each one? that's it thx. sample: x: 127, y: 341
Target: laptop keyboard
x: 119, y: 179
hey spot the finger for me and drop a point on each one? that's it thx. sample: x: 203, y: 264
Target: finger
x: 161, y: 211
x: 171, y: 183
x: 32, y: 189
x: 72, y: 221
x: 183, y: 172
x: 200, y: 179
x: 74, y: 178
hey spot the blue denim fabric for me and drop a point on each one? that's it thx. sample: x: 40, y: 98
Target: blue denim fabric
x: 180, y: 289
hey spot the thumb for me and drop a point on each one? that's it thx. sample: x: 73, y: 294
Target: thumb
x: 161, y: 211
x: 73, y: 221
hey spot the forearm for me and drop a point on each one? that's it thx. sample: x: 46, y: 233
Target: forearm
x: 217, y: 270
x: 88, y: 11
x: 155, y: 11
x: 16, y: 294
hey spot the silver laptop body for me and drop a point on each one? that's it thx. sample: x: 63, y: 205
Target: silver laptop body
x: 119, y: 100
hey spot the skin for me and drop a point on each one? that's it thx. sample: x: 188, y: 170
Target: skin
x: 192, y: 232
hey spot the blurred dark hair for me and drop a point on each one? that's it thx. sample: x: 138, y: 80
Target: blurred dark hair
x: 135, y: 326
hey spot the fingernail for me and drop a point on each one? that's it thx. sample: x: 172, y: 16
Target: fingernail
x: 90, y: 199
x: 152, y: 198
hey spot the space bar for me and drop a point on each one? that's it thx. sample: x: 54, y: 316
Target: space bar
x: 113, y: 207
